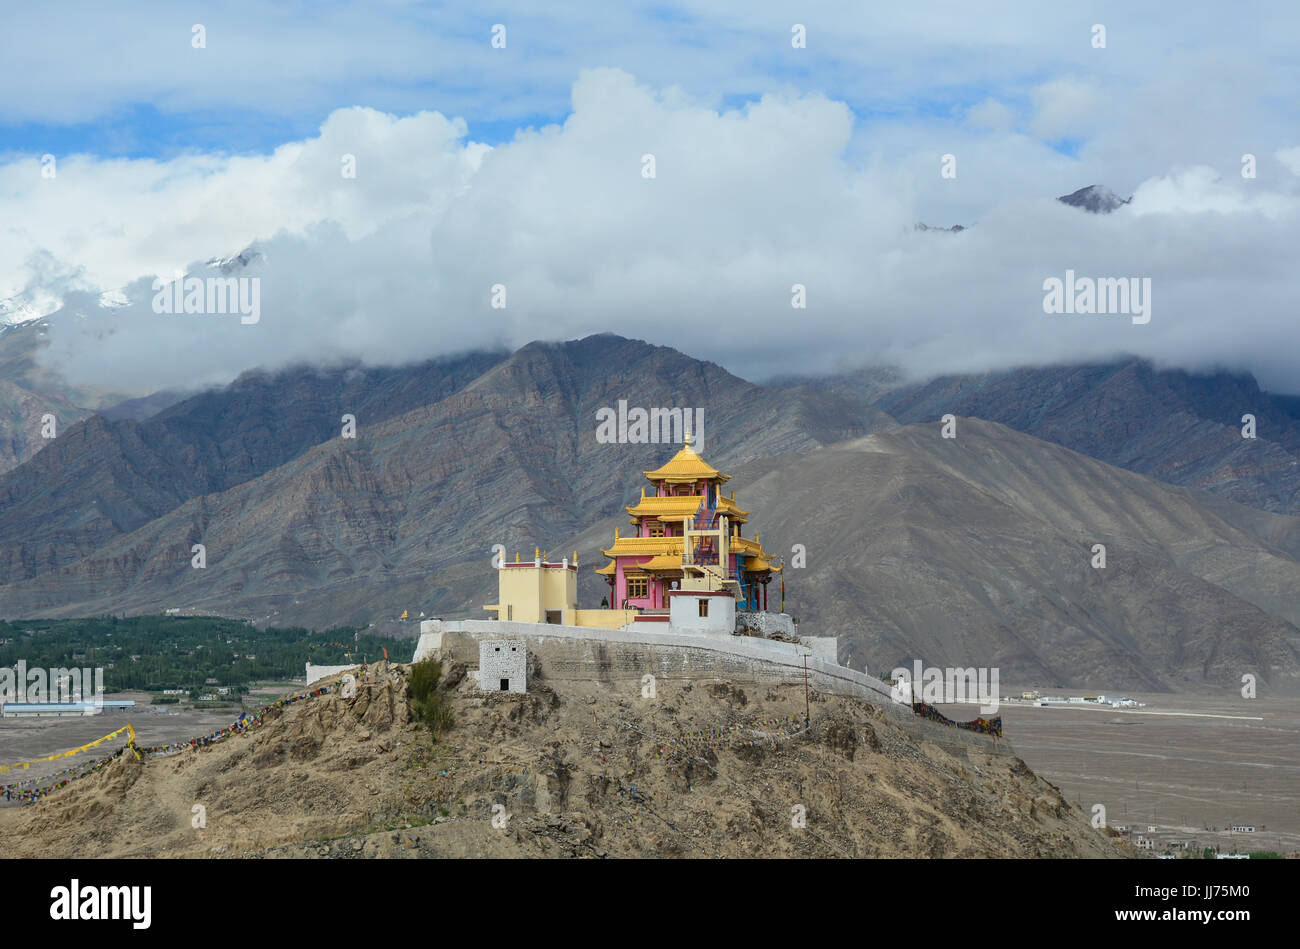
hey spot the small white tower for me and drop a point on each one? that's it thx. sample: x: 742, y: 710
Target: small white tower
x: 502, y: 665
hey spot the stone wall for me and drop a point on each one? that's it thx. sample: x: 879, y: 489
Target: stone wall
x: 766, y: 623
x: 570, y: 653
x: 617, y: 659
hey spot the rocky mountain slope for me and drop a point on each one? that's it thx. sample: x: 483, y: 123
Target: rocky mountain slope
x: 26, y: 396
x: 978, y: 550
x: 1174, y: 426
x: 102, y: 479
x: 969, y: 551
x: 577, y: 775
x: 287, y: 507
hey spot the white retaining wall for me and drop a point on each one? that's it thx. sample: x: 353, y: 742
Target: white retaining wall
x: 781, y: 660
x: 316, y: 673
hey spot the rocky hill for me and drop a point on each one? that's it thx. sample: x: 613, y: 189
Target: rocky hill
x: 577, y: 775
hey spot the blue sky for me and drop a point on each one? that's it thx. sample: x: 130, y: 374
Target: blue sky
x: 128, y: 81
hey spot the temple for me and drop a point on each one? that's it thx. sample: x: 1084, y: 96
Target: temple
x: 687, y: 536
x: 686, y: 564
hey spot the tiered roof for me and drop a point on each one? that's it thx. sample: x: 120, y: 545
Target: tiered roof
x: 687, y: 466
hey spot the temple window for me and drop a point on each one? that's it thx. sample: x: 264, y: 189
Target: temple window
x: 656, y: 529
x: 637, y: 588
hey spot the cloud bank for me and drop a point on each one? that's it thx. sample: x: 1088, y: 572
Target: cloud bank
x: 400, y: 262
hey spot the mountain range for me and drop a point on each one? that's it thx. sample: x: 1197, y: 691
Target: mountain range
x: 974, y: 550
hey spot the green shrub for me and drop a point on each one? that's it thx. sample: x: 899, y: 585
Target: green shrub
x: 425, y: 676
x: 428, y: 705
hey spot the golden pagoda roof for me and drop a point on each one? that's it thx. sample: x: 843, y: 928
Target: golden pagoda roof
x: 746, y: 546
x: 682, y: 506
x: 687, y: 465
x: 758, y: 559
x: 644, y: 546
x: 729, y: 507
x: 662, y: 562
x: 673, y: 507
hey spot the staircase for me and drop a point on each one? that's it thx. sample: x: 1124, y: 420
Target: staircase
x: 701, y: 551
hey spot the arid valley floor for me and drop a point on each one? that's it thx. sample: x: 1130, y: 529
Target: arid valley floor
x: 1183, y: 763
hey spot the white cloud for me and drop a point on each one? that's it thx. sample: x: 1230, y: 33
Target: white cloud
x: 990, y: 114
x: 1200, y: 189
x: 1066, y: 108
x: 399, y: 263
x: 1290, y: 158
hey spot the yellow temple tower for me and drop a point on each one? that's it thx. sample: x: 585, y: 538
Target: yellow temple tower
x: 686, y: 536
x: 687, y: 542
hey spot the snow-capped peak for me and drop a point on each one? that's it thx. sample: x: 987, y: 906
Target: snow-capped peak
x: 1095, y: 198
x: 24, y: 307
x: 237, y: 262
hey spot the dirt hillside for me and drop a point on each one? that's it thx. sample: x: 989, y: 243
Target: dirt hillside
x: 579, y: 774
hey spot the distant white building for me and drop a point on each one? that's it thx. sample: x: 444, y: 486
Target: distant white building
x: 502, y: 665
x: 1243, y: 829
x: 64, y: 709
x: 1143, y: 843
